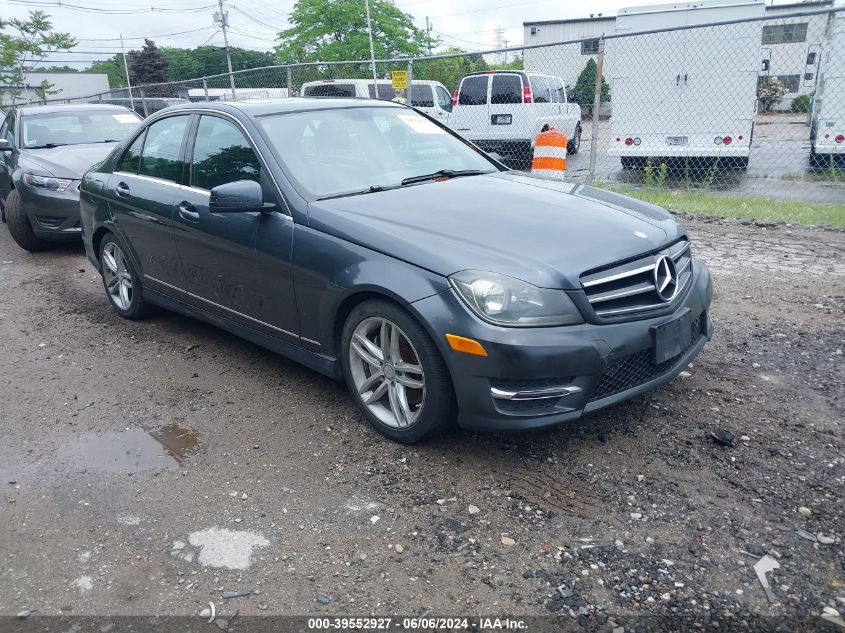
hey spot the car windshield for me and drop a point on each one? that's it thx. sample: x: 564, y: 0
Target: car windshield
x: 75, y: 127
x: 343, y: 150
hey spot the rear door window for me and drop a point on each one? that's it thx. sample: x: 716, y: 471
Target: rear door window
x: 540, y: 90
x: 473, y: 91
x: 506, y: 89
x: 330, y: 90
x: 163, y: 147
x: 421, y: 96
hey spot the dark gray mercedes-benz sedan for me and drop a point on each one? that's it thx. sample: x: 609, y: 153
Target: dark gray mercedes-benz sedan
x: 372, y: 244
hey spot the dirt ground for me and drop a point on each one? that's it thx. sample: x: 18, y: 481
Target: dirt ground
x: 276, y: 486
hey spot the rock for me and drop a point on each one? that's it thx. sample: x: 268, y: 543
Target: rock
x: 374, y: 519
x: 322, y: 599
x: 639, y: 478
x: 619, y: 544
x: 825, y: 540
x: 244, y: 497
x: 263, y: 606
x: 205, y: 613
x: 636, y: 515
x: 236, y: 594
x: 565, y: 592
x: 745, y: 438
x: 399, y: 548
x: 23, y: 615
x: 619, y: 629
x: 804, y: 511
x: 473, y: 509
x: 507, y: 541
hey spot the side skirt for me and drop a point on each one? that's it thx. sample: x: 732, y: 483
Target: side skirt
x: 326, y: 365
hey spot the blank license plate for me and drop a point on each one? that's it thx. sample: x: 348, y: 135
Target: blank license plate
x: 677, y: 140
x: 502, y: 119
x: 672, y: 338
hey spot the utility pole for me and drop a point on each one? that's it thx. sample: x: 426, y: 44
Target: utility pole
x: 372, y: 50
x: 428, y: 27
x: 224, y: 23
x: 499, y: 35
x: 126, y: 69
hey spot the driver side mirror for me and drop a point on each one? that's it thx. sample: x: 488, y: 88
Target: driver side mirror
x: 5, y: 145
x: 240, y: 196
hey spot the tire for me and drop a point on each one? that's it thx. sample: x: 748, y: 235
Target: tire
x: 19, y: 227
x: 575, y: 143
x: 426, y: 410
x: 121, y: 281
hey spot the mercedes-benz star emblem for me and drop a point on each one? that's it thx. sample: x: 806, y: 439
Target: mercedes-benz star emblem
x: 665, y: 278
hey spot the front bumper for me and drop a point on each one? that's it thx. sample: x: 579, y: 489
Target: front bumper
x: 591, y: 366
x: 53, y: 215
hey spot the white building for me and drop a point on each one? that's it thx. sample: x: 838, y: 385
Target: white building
x: 789, y: 48
x: 65, y: 86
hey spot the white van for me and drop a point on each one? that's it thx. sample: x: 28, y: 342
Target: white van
x: 430, y: 97
x: 502, y: 111
x: 827, y: 125
x: 685, y: 93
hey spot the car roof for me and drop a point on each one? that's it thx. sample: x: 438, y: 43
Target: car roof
x: 363, y: 81
x: 261, y: 107
x: 62, y: 107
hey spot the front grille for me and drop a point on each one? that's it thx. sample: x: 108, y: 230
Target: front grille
x: 629, y: 288
x: 640, y: 367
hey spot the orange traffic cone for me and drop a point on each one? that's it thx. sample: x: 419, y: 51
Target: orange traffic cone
x: 550, y: 154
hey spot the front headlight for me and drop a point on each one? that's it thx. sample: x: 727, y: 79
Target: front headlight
x: 46, y: 182
x: 504, y: 300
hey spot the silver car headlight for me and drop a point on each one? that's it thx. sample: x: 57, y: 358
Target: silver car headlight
x: 46, y: 182
x: 503, y: 300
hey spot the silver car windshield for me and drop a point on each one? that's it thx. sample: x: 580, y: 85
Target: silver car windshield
x: 339, y: 150
x: 73, y: 128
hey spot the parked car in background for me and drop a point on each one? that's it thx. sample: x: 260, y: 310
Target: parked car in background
x: 504, y: 111
x: 685, y: 106
x: 372, y: 244
x: 44, y: 150
x: 430, y: 97
x: 144, y: 106
x: 827, y: 122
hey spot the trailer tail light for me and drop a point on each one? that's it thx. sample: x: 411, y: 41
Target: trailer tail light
x: 629, y: 141
x: 455, y: 98
x: 637, y: 140
x: 726, y: 140
x: 839, y: 138
x: 526, y: 94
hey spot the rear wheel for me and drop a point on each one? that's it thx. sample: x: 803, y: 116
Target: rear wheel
x: 395, y: 372
x: 121, y: 280
x: 575, y: 142
x: 19, y: 227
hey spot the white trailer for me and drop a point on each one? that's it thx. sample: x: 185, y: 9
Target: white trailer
x: 689, y: 92
x: 827, y: 124
x: 242, y: 94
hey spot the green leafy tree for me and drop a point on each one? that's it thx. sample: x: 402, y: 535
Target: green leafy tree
x: 514, y: 64
x: 770, y: 92
x: 336, y: 30
x: 55, y: 69
x: 449, y: 71
x: 148, y: 66
x: 113, y: 67
x: 585, y: 87
x: 23, y: 45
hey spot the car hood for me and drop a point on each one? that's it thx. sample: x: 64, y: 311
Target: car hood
x: 65, y: 161
x: 542, y: 231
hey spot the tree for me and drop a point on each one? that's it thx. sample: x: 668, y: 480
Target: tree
x: 449, y: 71
x: 29, y: 43
x: 183, y: 63
x: 147, y: 66
x: 55, y: 69
x: 769, y: 92
x: 336, y: 30
x: 585, y: 87
x: 113, y: 67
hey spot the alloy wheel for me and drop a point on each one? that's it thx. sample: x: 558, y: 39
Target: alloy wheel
x: 387, y: 372
x: 117, y: 276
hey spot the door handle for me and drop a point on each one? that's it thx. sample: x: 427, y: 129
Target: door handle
x: 122, y: 190
x: 188, y: 212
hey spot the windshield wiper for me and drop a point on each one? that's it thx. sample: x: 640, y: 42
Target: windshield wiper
x: 46, y: 146
x: 444, y: 173
x: 370, y: 189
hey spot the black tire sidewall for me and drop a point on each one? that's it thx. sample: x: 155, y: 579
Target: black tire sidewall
x: 439, y: 405
x: 138, y: 307
x: 19, y: 226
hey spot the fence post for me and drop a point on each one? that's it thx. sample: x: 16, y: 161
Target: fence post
x: 205, y: 88
x: 144, y: 103
x: 290, y: 81
x: 410, y: 81
x: 596, y: 107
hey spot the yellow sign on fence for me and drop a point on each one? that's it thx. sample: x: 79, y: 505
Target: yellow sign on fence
x: 399, y: 79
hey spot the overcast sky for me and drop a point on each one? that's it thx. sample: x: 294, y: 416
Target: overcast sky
x: 469, y: 24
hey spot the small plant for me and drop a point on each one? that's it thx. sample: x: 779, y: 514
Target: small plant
x: 801, y: 103
x: 662, y: 172
x: 648, y: 174
x: 687, y: 178
x: 711, y: 175
x: 770, y: 92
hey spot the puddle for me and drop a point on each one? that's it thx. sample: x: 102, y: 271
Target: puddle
x: 129, y: 451
x: 178, y: 442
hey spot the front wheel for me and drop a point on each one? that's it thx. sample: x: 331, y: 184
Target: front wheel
x: 19, y: 227
x: 121, y: 280
x: 395, y: 372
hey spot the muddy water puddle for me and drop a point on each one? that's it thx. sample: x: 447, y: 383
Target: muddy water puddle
x: 129, y: 451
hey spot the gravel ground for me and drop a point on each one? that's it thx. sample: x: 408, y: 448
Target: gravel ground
x: 275, y: 485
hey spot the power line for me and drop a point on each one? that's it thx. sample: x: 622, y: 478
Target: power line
x: 498, y: 6
x: 144, y: 37
x: 90, y: 9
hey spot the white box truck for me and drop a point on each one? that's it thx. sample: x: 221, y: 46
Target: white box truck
x: 827, y: 123
x: 689, y: 92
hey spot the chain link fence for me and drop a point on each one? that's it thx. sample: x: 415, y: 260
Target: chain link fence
x: 754, y: 104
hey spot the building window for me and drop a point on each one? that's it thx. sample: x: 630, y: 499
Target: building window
x: 590, y: 47
x: 790, y: 82
x: 785, y: 33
